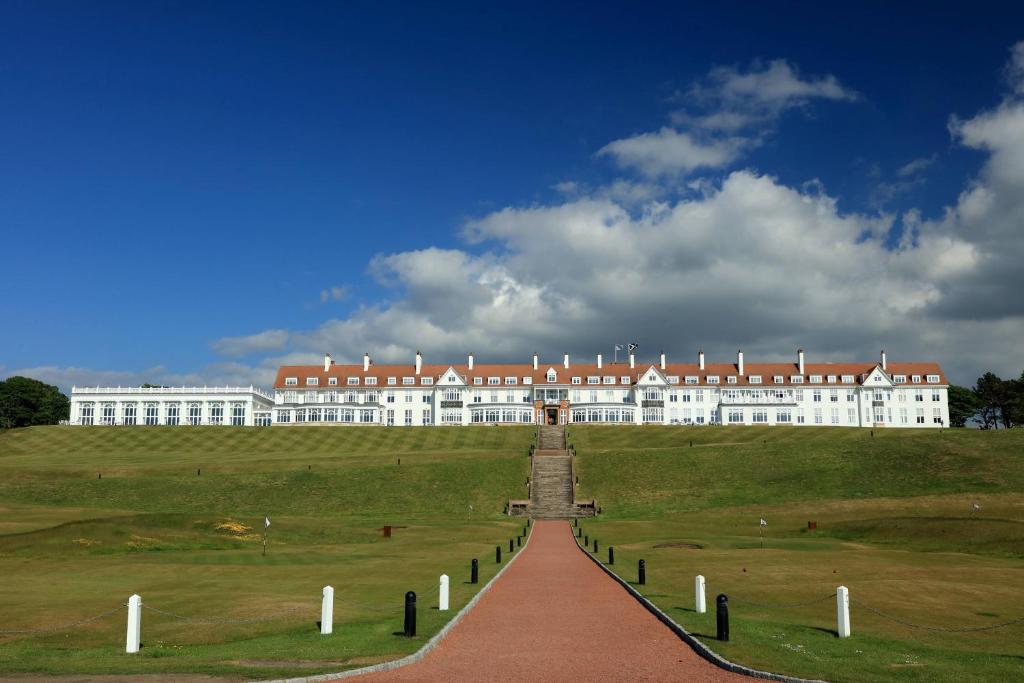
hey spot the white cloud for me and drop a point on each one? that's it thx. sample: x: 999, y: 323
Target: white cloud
x: 262, y: 342
x: 214, y: 374
x: 669, y: 151
x: 913, y: 168
x: 1015, y: 68
x: 336, y: 293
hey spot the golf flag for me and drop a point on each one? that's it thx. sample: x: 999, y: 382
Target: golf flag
x: 618, y: 347
x: 266, y: 522
x: 764, y: 522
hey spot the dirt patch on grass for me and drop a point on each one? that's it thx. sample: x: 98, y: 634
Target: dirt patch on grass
x: 681, y: 544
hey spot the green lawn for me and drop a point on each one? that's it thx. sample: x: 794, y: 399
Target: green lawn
x: 89, y: 516
x: 895, y: 524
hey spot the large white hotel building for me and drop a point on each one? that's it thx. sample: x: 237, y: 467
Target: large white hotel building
x: 879, y: 394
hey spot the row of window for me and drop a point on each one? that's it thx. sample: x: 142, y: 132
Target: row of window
x: 603, y: 415
x: 881, y: 415
x: 151, y: 414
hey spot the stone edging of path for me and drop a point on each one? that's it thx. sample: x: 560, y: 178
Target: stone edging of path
x: 684, y: 635
x: 420, y: 653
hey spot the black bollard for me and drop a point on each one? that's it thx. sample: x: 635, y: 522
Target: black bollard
x: 586, y: 541
x: 579, y: 533
x: 309, y: 468
x: 497, y: 554
x: 399, y: 461
x: 410, y: 615
x: 511, y: 548
x: 642, y: 573
x: 519, y: 541
x: 199, y: 472
x: 99, y: 475
x: 474, y: 571
x: 527, y: 521
x: 595, y: 546
x: 722, y: 613
x: 611, y: 555
x: 691, y: 444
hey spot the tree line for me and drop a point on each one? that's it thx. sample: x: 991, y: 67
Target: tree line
x: 25, y: 402
x: 993, y: 402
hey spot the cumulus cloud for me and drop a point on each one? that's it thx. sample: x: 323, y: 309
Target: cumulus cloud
x: 261, y: 342
x: 336, y: 293
x: 668, y: 151
x: 214, y: 374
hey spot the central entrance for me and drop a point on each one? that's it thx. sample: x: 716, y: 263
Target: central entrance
x: 551, y: 415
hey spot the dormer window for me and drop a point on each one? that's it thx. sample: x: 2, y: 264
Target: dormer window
x: 899, y: 379
x: 731, y: 379
x: 527, y: 380
x: 478, y: 380
x: 796, y: 379
x: 426, y: 381
x: 831, y: 379
x: 291, y: 381
x: 312, y: 381
x: 847, y: 379
x: 608, y: 379
x: 673, y: 379
x: 408, y: 380
x: 755, y: 379
x: 493, y: 381
x: 593, y: 380
x: 369, y: 380
x: 691, y: 379
x: 933, y: 379
x: 510, y: 380
x: 712, y: 379
x: 332, y: 381
x: 552, y: 377
x: 778, y: 379
x: 815, y: 379
x: 916, y: 379
x: 624, y: 380
x: 392, y: 381
x: 352, y: 381
x: 577, y: 380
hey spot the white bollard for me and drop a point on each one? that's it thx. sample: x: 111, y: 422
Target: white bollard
x: 134, y: 624
x: 843, y: 611
x: 698, y: 589
x: 442, y: 599
x: 327, y: 612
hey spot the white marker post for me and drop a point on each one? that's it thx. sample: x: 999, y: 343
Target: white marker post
x: 327, y: 612
x: 698, y: 589
x: 134, y: 624
x: 843, y: 612
x: 442, y: 598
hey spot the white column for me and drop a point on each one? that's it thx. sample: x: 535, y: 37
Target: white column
x: 442, y: 600
x: 843, y: 612
x: 327, y: 611
x: 134, y: 624
x: 698, y: 587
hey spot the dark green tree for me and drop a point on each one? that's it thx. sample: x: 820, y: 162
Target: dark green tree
x: 991, y: 399
x: 963, y: 405
x: 25, y: 402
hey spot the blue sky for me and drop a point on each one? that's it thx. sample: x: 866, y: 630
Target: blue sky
x: 197, y: 193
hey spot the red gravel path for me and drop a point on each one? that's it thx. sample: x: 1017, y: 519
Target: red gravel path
x: 555, y: 616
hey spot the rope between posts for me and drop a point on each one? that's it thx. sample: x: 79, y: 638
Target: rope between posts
x: 938, y: 629
x: 62, y: 627
x: 815, y: 601
x: 203, y: 620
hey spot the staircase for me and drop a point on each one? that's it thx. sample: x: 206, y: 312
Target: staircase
x: 552, y: 489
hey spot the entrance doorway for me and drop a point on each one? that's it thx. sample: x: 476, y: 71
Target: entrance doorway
x: 551, y: 415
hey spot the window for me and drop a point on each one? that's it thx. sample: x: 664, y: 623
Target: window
x: 608, y: 379
x: 731, y: 379
x: 691, y: 379
x: 817, y: 395
x: 291, y: 381
x: 759, y: 416
x: 932, y: 379
x: 284, y: 416
x: 817, y: 416
x: 835, y: 416
x: 510, y: 380
x: 392, y: 381
x: 352, y: 381
x: 310, y: 397
x: 313, y: 381
x: 371, y: 381
x: 332, y: 381
x: 478, y: 380
x: 783, y: 416
x: 426, y: 398
x: 916, y: 379
x: 755, y: 379
x: 699, y: 395
x: 815, y: 379
x: 152, y: 414
x: 800, y: 416
x: 371, y: 397
x: 85, y: 413
x: 625, y: 380
x: 831, y: 379
x: 391, y: 397
x: 918, y: 395
x: 493, y: 381
x: 408, y: 381
x: 390, y: 418
x: 576, y: 380
x: 735, y: 415
x: 920, y: 416
x: 216, y: 413
x: 128, y: 414
x: 936, y: 396
x: 426, y: 381
x: 238, y: 414
x: 408, y: 418
x: 552, y: 377
x: 796, y: 379
x: 426, y: 416
x: 851, y: 415
x: 833, y: 395
x: 903, y: 416
x: 408, y: 397
x: 673, y: 379
x: 937, y: 416
x: 899, y: 379
x: 879, y: 413
x: 778, y: 379
x: 847, y: 379
x: 452, y: 394
x: 195, y: 412
x: 173, y: 416
x: 850, y: 396
x: 712, y: 379
x: 593, y: 380
x: 673, y: 396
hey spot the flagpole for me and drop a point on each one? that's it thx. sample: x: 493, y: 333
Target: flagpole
x: 265, y: 527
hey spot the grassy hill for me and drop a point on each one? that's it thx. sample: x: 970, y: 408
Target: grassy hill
x: 896, y: 524
x: 89, y: 516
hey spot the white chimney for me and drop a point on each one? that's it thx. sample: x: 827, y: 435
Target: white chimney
x: 739, y: 361
x: 883, y: 359
x: 662, y: 360
x: 469, y: 362
x: 565, y: 362
x: 366, y: 362
x: 327, y: 362
x: 632, y: 360
x: 536, y: 361
x: 700, y: 359
x: 598, y: 361
x: 419, y: 362
x: 800, y: 361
